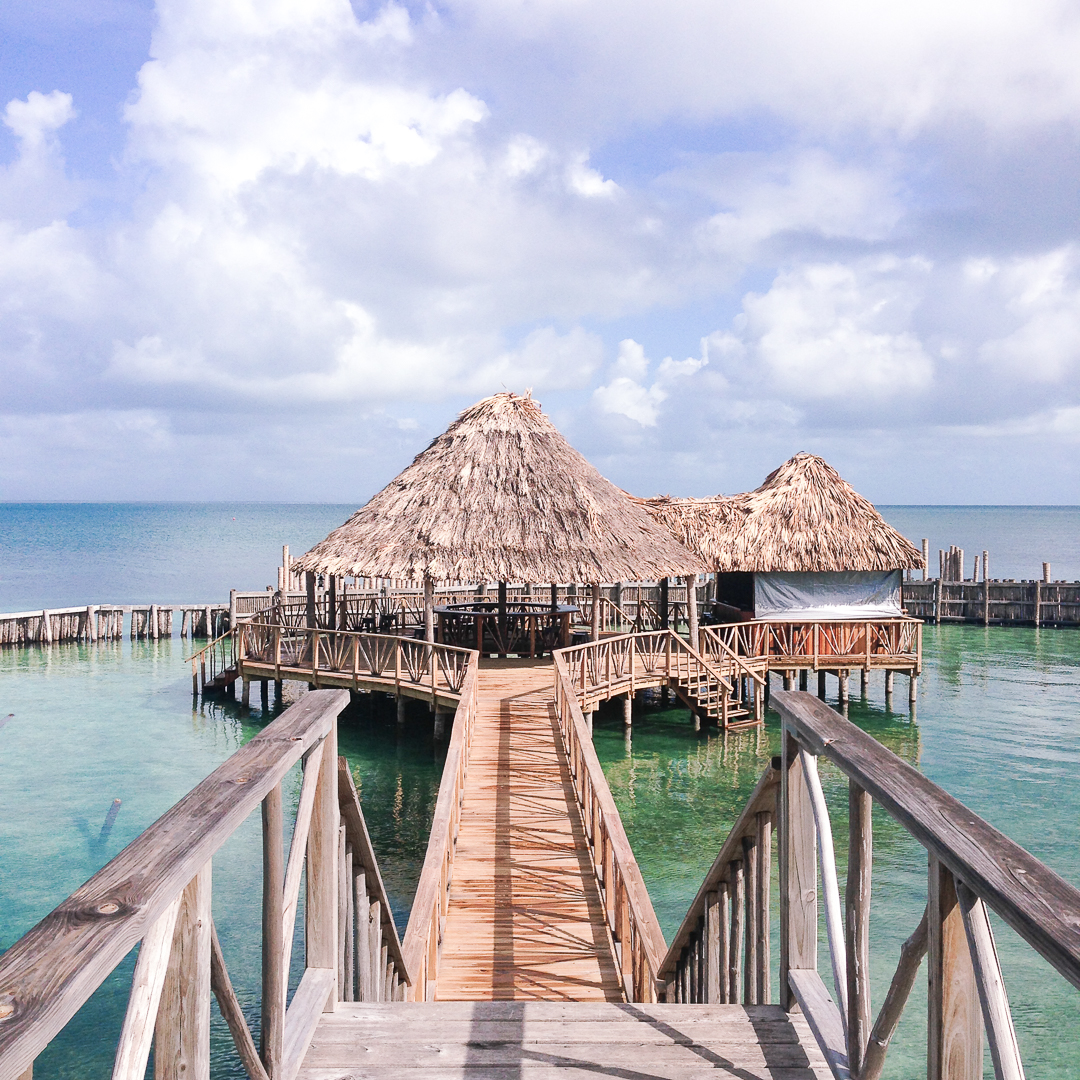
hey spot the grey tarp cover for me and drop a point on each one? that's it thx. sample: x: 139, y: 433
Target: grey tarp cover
x: 844, y: 594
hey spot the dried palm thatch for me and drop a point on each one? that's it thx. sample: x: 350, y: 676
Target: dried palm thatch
x: 805, y: 517
x: 501, y: 496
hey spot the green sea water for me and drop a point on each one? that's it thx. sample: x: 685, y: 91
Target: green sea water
x: 998, y: 726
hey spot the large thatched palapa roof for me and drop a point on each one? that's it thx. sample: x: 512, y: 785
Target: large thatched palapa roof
x: 805, y: 517
x: 501, y: 496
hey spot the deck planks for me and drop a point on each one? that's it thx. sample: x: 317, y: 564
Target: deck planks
x: 548, y: 1040
x: 525, y: 917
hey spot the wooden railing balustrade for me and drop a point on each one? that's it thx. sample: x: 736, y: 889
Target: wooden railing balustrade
x: 893, y: 644
x: 721, y: 952
x: 972, y: 868
x: 427, y: 919
x: 158, y: 891
x: 633, y: 924
x: 617, y: 666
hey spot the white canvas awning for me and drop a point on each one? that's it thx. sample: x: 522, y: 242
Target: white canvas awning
x: 838, y: 595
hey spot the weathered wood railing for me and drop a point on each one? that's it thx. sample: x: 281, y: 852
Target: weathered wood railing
x: 972, y: 868
x: 631, y: 919
x: 337, y: 657
x: 157, y: 891
x: 893, y: 644
x: 423, y: 935
x: 720, y: 953
x: 211, y: 662
x: 617, y: 666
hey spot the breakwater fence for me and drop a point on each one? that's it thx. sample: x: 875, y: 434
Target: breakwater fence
x: 960, y: 595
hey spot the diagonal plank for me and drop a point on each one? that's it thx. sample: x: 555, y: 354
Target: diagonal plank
x: 525, y: 916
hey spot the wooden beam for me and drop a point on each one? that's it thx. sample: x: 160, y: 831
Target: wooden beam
x: 320, y: 912
x: 823, y: 1017
x: 798, y: 871
x: 231, y: 1012
x: 273, y: 933
x: 857, y: 923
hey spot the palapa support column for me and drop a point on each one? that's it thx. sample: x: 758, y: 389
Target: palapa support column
x: 665, y: 618
x: 429, y: 609
x: 331, y: 603
x: 594, y: 629
x: 554, y: 596
x: 692, y: 611
x: 502, y: 616
x: 312, y: 612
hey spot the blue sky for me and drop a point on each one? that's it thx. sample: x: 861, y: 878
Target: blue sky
x: 268, y: 250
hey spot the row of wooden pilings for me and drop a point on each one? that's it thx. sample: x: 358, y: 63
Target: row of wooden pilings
x: 105, y: 622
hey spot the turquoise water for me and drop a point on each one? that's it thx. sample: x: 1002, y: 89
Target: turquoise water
x: 88, y: 725
x: 998, y: 726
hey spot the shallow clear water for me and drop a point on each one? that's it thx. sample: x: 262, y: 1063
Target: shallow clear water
x: 998, y: 726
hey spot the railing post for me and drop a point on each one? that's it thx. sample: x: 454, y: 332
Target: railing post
x: 182, y: 1031
x: 273, y: 937
x: 798, y: 870
x: 857, y: 903
x: 321, y: 913
x: 954, y: 1024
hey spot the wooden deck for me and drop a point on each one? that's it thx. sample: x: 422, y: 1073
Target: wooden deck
x: 525, y: 917
x: 507, y: 1040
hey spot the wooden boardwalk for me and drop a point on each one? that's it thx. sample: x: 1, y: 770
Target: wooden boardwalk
x: 525, y: 917
x: 546, y: 1040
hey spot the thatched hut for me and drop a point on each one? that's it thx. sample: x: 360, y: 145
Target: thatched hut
x: 804, y: 545
x: 501, y: 496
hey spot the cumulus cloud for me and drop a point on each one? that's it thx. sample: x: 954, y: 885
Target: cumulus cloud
x: 625, y: 393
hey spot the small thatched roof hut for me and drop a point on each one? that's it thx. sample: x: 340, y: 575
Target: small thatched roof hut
x: 805, y: 536
x: 501, y: 496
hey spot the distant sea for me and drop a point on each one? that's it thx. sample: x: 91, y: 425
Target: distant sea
x: 68, y: 554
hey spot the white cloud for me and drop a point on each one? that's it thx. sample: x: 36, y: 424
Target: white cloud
x: 34, y: 119
x: 625, y: 395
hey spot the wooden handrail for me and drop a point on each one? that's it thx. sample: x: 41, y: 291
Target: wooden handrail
x: 761, y: 800
x: 1040, y: 906
x: 48, y: 974
x: 423, y: 935
x: 630, y: 912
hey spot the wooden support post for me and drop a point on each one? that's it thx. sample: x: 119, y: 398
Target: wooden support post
x: 692, y: 611
x: 245, y: 693
x: 594, y: 626
x: 864, y: 682
x: 925, y: 559
x: 322, y: 865
x: 209, y: 620
x: 363, y: 935
x: 342, y: 884
x: 711, y: 936
x: 723, y: 894
x: 278, y: 692
x: 375, y: 981
x: 264, y: 694
x: 763, y: 850
x: 821, y: 685
x: 350, y: 926
x: 331, y: 603
x: 502, y: 617
x: 182, y: 1031
x: 46, y: 628
x: 857, y: 922
x: 429, y: 609
x: 889, y: 688
x: 954, y: 1027
x: 937, y: 601
x: 312, y: 611
x: 273, y: 937
x: 401, y: 708
x: 986, y: 587
x: 798, y: 871
x: 804, y: 676
x: 845, y: 688
x: 913, y: 690
x: 665, y: 616
x: 789, y: 682
x: 628, y: 709
x: 750, y: 919
x: 554, y: 596
x: 91, y: 623
x: 738, y: 904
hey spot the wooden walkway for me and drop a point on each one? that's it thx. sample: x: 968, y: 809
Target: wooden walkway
x: 546, y: 1040
x: 525, y: 917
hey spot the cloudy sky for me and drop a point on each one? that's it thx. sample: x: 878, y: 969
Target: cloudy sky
x: 268, y: 248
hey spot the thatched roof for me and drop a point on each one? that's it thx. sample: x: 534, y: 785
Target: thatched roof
x: 805, y: 517
x: 501, y: 496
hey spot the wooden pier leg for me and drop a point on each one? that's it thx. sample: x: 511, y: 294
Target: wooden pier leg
x: 821, y: 685
x: 209, y: 622
x: 273, y: 935
x: 153, y: 616
x: 864, y: 682
x: 913, y: 691
x: 789, y: 681
x: 986, y: 587
x: 278, y: 692
x: 91, y: 623
x: 888, y: 688
x: 798, y: 871
x: 845, y: 688
x: 245, y: 693
x: 857, y: 904
x: 264, y: 694
x: 954, y: 1023
x: 627, y: 710
x: 440, y: 723
x: 804, y: 677
x: 182, y: 1031
x: 401, y: 708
